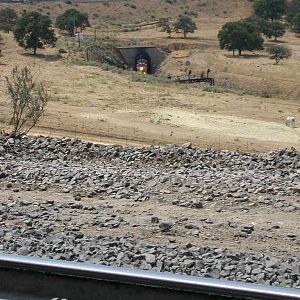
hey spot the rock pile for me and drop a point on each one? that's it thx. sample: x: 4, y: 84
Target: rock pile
x: 87, y: 169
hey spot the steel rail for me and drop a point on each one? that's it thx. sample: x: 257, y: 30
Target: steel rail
x: 46, y: 279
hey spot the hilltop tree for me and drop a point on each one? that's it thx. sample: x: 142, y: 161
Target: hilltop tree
x: 241, y: 35
x: 185, y: 25
x: 270, y: 9
x: 33, y: 30
x: 8, y: 18
x: 278, y: 53
x: 72, y: 19
x: 296, y: 23
x: 165, y: 25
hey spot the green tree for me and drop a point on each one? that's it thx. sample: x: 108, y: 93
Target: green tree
x: 185, y: 25
x: 296, y: 23
x: 34, y: 30
x: 293, y: 8
x: 268, y: 28
x: 8, y: 18
x: 241, y: 35
x: 278, y: 53
x: 72, y: 19
x: 270, y: 9
x: 273, y: 29
x: 165, y: 25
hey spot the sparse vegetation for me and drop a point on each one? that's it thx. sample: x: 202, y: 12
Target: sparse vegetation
x: 34, y: 30
x: 278, y: 53
x: 28, y: 99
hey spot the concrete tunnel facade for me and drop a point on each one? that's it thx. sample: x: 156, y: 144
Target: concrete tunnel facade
x: 153, y: 55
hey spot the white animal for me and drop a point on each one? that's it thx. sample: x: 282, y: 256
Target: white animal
x: 290, y: 122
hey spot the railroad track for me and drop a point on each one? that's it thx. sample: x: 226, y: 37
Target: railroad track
x: 35, y: 278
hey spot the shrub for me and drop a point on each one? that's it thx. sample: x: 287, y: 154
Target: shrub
x: 28, y: 99
x: 278, y: 53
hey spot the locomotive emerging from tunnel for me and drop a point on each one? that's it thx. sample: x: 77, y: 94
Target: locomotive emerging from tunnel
x: 142, y: 63
x: 142, y: 66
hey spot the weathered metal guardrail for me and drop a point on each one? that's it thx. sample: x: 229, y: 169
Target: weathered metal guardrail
x: 35, y: 278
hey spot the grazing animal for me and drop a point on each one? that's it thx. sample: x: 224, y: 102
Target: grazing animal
x: 290, y: 122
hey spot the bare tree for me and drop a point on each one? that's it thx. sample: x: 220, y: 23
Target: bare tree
x: 28, y: 99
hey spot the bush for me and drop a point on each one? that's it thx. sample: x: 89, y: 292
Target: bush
x: 28, y: 99
x: 278, y: 53
x: 104, y: 53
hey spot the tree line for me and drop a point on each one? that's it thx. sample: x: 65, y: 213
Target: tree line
x: 32, y: 30
x: 270, y: 19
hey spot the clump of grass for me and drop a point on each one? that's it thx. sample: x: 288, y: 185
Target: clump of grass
x: 216, y: 89
x: 155, y: 120
x: 266, y: 94
x: 137, y: 77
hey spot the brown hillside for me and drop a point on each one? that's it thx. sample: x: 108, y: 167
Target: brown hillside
x: 136, y: 11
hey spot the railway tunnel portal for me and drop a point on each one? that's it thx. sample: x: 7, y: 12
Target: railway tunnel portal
x: 145, y: 60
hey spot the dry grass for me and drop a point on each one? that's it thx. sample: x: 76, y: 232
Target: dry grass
x: 105, y: 106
